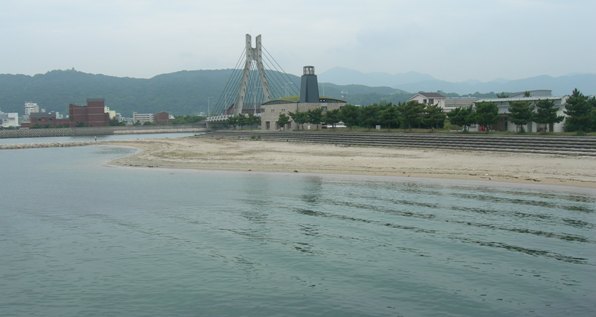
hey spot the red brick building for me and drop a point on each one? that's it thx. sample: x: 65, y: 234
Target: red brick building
x: 161, y: 118
x: 45, y: 120
x: 92, y: 115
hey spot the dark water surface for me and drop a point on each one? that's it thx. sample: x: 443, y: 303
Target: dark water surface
x: 78, y: 238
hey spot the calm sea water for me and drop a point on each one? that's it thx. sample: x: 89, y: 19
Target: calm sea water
x: 78, y: 238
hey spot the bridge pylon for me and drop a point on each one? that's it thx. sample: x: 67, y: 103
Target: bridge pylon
x: 253, y: 54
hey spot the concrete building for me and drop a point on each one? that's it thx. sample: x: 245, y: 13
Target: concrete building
x: 9, y: 120
x: 31, y: 107
x: 309, y: 100
x: 91, y: 115
x: 429, y: 98
x: 142, y: 118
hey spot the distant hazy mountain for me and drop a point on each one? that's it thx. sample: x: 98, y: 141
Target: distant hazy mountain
x: 414, y: 82
x: 183, y: 92
x: 346, y: 76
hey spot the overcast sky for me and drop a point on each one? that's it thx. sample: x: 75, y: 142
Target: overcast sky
x: 452, y: 40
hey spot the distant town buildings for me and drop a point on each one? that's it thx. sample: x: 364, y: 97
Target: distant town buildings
x: 142, y: 118
x: 9, y: 120
x: 46, y: 120
x: 94, y: 114
x: 159, y: 118
x: 31, y: 107
x: 91, y: 115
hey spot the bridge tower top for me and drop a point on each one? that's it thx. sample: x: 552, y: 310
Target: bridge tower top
x: 253, y: 54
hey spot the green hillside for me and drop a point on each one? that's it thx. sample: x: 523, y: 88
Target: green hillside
x: 184, y: 92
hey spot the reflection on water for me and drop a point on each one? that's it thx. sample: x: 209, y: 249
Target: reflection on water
x: 81, y: 239
x: 312, y: 190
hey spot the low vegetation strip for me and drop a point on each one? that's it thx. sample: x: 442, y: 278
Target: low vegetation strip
x: 44, y: 145
x: 585, y: 146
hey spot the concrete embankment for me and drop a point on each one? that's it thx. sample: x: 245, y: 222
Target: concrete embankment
x: 585, y: 146
x: 55, y: 132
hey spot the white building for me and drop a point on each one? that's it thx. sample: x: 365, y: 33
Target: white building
x: 142, y: 118
x: 110, y: 112
x: 429, y: 98
x: 531, y: 96
x: 9, y: 120
x: 31, y: 107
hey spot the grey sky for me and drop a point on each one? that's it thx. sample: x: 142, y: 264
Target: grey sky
x: 451, y: 40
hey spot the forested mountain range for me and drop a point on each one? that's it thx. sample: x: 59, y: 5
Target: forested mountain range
x: 188, y: 92
x: 184, y: 92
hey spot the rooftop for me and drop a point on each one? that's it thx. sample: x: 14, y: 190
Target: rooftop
x: 431, y: 94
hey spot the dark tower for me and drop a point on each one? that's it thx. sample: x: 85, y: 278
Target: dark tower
x: 309, y: 88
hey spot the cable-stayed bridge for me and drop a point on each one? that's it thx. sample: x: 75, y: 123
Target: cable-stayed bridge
x: 256, y: 79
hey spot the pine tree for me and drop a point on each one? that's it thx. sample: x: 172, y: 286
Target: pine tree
x: 579, y: 112
x: 546, y: 113
x: 350, y: 115
x: 487, y: 114
x: 434, y: 117
x: 462, y: 117
x: 411, y: 114
x: 520, y: 113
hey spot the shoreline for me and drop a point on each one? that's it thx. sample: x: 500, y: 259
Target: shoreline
x: 209, y: 154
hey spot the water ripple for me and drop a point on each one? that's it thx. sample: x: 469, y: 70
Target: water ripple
x: 533, y: 252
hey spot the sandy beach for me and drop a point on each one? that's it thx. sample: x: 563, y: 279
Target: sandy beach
x: 206, y: 153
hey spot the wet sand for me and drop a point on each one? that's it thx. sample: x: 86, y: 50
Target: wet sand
x: 206, y: 153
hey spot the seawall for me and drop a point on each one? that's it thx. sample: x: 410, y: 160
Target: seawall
x: 53, y: 132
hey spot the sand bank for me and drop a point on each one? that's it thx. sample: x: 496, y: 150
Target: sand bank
x: 266, y: 156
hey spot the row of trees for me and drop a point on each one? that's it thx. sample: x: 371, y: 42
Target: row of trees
x: 186, y: 119
x: 314, y: 116
x: 242, y: 121
x: 580, y: 111
x: 542, y: 111
x: 485, y: 114
x: 404, y: 115
x: 520, y: 113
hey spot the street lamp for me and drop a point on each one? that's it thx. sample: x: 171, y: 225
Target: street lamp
x: 209, y: 106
